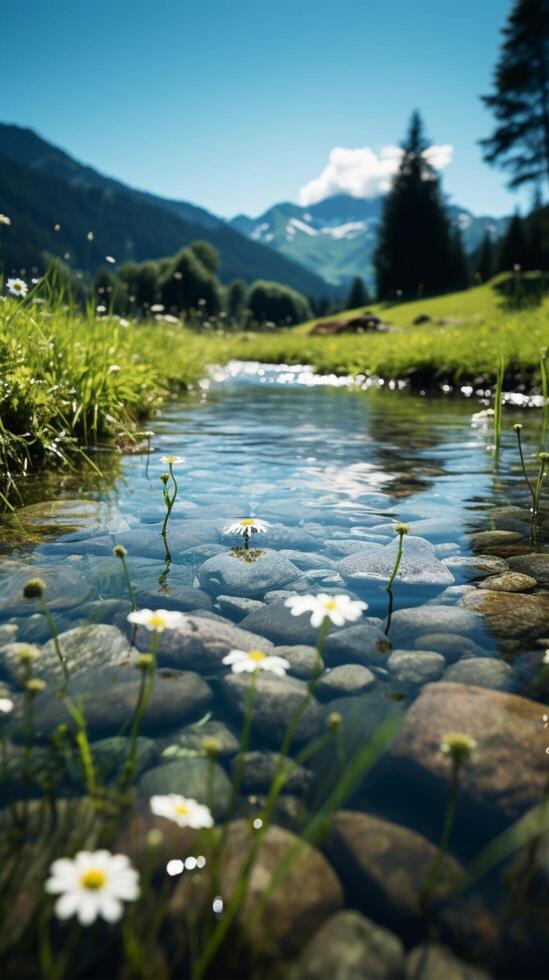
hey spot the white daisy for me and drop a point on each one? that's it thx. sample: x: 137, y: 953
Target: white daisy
x: 172, y: 460
x: 158, y: 620
x: 109, y: 258
x: 184, y: 812
x: 246, y: 526
x: 92, y: 884
x: 4, y: 220
x: 337, y: 608
x: 6, y: 706
x: 17, y: 287
x: 546, y: 657
x: 248, y: 661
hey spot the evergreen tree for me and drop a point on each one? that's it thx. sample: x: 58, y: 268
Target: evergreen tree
x: 520, y: 100
x: 414, y: 253
x: 358, y: 294
x: 485, y: 259
x: 514, y: 247
x: 235, y: 299
x: 460, y: 272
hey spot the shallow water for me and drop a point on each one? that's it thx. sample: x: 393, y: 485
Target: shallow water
x: 333, y: 469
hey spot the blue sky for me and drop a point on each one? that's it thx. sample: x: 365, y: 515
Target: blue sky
x: 236, y: 104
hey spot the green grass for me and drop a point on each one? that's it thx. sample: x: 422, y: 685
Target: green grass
x: 69, y: 380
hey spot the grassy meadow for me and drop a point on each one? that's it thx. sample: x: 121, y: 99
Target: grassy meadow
x: 70, y: 379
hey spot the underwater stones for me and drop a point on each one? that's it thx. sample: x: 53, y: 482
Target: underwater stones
x: 194, y: 777
x: 8, y: 633
x: 363, y: 644
x: 536, y: 565
x: 419, y: 565
x: 512, y: 616
x: 308, y: 893
x: 509, y: 582
x: 191, y: 739
x: 277, y: 623
x: 383, y: 866
x: 431, y: 961
x: 278, y: 537
x: 483, y: 672
x: 86, y: 648
x: 276, y: 701
x: 109, y: 699
x: 260, y: 768
x: 407, y: 624
x: 237, y: 606
x: 65, y: 587
x: 475, y: 566
x: 250, y: 574
x: 507, y: 773
x: 111, y: 754
x: 202, y: 642
x: 494, y: 540
x: 181, y: 598
x: 307, y: 561
x: 415, y: 666
x: 342, y: 680
x: 452, y: 646
x: 303, y: 659
x: 348, y: 946
x: 146, y: 541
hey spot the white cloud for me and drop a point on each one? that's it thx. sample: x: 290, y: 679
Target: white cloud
x: 363, y: 172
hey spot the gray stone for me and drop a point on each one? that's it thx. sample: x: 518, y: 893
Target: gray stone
x: 452, y: 646
x: 419, y: 565
x: 237, y: 607
x: 86, y: 648
x: 190, y: 740
x: 303, y: 659
x: 308, y: 560
x: 178, y: 597
x: 407, y: 624
x: 276, y: 702
x: 278, y: 536
x: 494, y: 539
x: 430, y: 961
x: 201, y: 642
x: 351, y: 947
x: 451, y: 595
x: 260, y: 768
x: 277, y: 623
x: 250, y: 577
x: 346, y: 679
x: 482, y: 671
x: 110, y: 755
x: 476, y: 566
x: 509, y: 582
x: 512, y: 616
x: 65, y: 587
x: 363, y: 644
x: 416, y: 666
x: 536, y: 565
x: 193, y: 777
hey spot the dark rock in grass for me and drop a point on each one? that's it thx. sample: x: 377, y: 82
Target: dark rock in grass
x: 431, y: 961
x: 415, y: 667
x: 260, y: 768
x: 483, y: 672
x: 419, y: 565
x: 363, y: 643
x: 248, y: 574
x: 509, y: 582
x: 506, y: 775
x: 110, y: 755
x: 383, y: 866
x: 344, y: 680
x: 536, y: 565
x: 511, y: 616
x: 201, y: 642
x: 193, y: 777
x: 108, y: 699
x: 276, y: 701
x: 308, y: 893
x: 350, y: 947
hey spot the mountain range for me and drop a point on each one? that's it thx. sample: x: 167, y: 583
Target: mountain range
x: 53, y: 201
x: 336, y: 238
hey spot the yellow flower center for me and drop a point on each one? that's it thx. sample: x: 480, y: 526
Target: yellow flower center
x: 182, y: 809
x: 247, y: 522
x: 93, y: 879
x: 331, y: 604
x: 157, y: 622
x: 257, y: 655
x: 17, y: 287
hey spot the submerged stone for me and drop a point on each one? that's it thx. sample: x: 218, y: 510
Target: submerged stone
x: 351, y: 947
x: 202, y: 641
x: 345, y: 679
x: 511, y: 615
x: 432, y: 961
x: 193, y: 777
x: 260, y: 768
x: 419, y: 565
x: 482, y: 671
x: 248, y: 574
x: 416, y: 666
x: 276, y: 701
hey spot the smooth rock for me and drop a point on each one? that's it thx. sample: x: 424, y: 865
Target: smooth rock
x: 536, y: 565
x: 260, y: 768
x: 276, y: 701
x: 509, y: 582
x: 407, y: 624
x: 65, y: 587
x: 430, y: 961
x: 383, y: 866
x: 306, y: 561
x: 351, y: 947
x: 364, y: 644
x: 494, y: 539
x: 452, y: 646
x: 193, y: 777
x: 343, y: 680
x: 110, y: 755
x: 482, y: 671
x: 190, y: 740
x: 86, y: 648
x: 511, y: 615
x: 307, y: 894
x: 236, y: 606
x: 507, y: 773
x: 303, y: 659
x: 475, y: 566
x: 180, y: 598
x: 228, y: 574
x: 278, y: 536
x: 201, y: 642
x: 277, y: 623
x: 416, y: 666
x: 419, y: 565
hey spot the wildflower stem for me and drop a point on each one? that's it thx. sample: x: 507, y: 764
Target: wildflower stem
x: 55, y: 637
x: 431, y: 878
x: 398, y: 560
x: 131, y: 592
x: 522, y: 463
